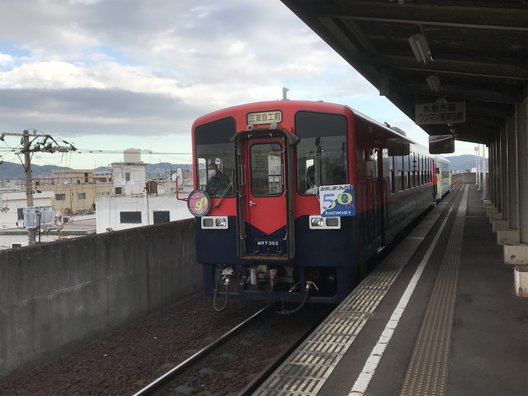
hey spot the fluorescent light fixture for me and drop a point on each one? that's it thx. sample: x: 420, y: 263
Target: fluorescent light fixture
x: 434, y: 83
x: 420, y: 48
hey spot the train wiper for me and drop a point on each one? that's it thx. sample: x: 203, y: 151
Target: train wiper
x: 313, y: 190
x: 223, y: 194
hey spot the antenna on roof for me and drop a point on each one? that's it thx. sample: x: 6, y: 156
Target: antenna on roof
x: 285, y: 93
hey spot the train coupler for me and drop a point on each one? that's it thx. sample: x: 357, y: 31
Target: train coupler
x: 226, y: 275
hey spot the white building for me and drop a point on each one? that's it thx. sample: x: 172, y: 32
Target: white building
x: 122, y: 212
x: 135, y: 201
x: 129, y: 177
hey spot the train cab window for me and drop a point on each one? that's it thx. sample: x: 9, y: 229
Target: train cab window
x: 266, y: 169
x: 215, y: 157
x: 321, y: 151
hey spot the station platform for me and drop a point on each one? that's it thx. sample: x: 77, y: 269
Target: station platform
x: 438, y: 316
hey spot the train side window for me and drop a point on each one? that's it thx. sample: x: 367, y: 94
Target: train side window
x: 424, y: 170
x: 408, y: 169
x: 321, y: 151
x: 414, y: 164
x: 402, y: 173
x: 214, y: 151
x: 392, y: 181
x: 418, y: 168
x: 428, y: 170
x: 371, y: 164
x: 417, y: 158
x: 422, y: 181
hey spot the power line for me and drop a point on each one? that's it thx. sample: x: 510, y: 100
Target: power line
x: 97, y: 151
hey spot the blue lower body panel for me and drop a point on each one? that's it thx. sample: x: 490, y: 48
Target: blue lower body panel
x: 328, y: 258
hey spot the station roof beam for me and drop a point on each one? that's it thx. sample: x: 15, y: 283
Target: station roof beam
x: 471, y: 51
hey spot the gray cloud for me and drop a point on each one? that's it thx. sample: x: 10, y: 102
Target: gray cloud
x: 149, y: 68
x: 94, y: 111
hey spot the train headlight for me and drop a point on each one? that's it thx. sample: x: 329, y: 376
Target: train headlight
x: 207, y: 222
x: 221, y: 222
x: 324, y: 223
x: 214, y: 222
x: 332, y: 221
x: 316, y: 222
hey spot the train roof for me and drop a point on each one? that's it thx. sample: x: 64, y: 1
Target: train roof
x: 319, y: 106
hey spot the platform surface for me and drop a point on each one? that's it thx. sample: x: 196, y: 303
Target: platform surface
x: 438, y: 316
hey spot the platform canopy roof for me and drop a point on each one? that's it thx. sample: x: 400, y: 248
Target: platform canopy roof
x: 433, y: 51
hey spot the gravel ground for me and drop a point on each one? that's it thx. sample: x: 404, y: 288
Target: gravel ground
x: 232, y: 366
x: 123, y: 360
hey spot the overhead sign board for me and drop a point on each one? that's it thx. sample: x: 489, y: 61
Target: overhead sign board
x: 440, y: 113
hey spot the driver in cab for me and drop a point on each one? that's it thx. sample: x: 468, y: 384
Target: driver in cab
x: 218, y: 183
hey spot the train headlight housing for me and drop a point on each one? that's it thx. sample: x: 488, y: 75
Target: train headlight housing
x: 316, y: 222
x: 324, y: 223
x: 221, y: 222
x: 214, y: 223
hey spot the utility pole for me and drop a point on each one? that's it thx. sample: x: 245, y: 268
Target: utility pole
x: 39, y: 143
x: 29, y: 184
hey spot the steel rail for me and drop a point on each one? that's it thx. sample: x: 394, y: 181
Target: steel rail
x: 169, y: 375
x: 264, y: 374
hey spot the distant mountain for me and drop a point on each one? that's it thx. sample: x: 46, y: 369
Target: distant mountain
x: 462, y: 163
x: 11, y: 171
x: 14, y: 171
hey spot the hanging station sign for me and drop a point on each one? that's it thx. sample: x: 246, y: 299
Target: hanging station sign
x: 440, y: 113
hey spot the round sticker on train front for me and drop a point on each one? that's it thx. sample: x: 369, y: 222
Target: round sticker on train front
x: 199, y: 203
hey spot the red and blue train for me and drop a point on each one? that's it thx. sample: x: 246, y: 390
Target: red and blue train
x: 292, y: 198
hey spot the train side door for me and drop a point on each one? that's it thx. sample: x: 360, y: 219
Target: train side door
x: 263, y: 207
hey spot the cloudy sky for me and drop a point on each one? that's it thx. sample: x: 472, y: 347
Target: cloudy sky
x: 116, y: 74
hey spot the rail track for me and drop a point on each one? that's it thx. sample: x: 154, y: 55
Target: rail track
x: 239, y: 360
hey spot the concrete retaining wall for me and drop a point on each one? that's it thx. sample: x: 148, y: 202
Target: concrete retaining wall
x: 470, y: 178
x: 54, y: 294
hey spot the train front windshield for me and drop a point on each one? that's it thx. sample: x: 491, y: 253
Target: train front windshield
x: 321, y: 151
x: 215, y: 157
